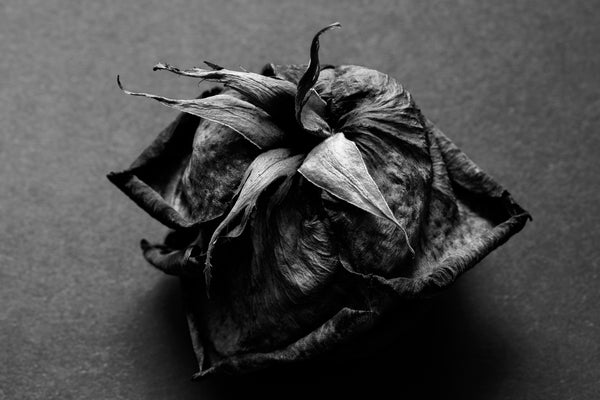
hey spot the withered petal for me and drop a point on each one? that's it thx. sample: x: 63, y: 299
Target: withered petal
x: 363, y: 99
x: 278, y: 278
x: 266, y: 169
x: 189, y: 173
x: 348, y: 324
x: 465, y: 215
x: 470, y: 214
x: 376, y: 245
x: 154, y: 179
x: 292, y: 244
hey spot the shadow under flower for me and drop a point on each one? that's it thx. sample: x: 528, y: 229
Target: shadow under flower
x: 451, y: 352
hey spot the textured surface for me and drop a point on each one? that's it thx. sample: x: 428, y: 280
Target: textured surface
x: 514, y: 84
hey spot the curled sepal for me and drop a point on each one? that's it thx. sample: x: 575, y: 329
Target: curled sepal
x: 275, y: 96
x: 337, y: 167
x: 265, y: 170
x: 251, y: 122
x: 306, y: 83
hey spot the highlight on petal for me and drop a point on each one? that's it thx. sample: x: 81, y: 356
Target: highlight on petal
x: 275, y: 96
x: 337, y: 167
x: 265, y: 170
x: 246, y: 119
x: 365, y: 100
x: 308, y: 80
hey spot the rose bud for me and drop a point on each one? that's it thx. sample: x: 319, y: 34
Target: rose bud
x: 305, y: 204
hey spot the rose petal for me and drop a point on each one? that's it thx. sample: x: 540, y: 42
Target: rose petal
x: 280, y: 277
x: 363, y: 99
x: 376, y: 245
x: 266, y: 169
x: 190, y: 172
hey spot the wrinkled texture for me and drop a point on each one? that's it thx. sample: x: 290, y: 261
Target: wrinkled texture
x: 259, y: 90
x: 265, y: 170
x: 307, y: 240
x: 251, y: 122
x: 337, y: 167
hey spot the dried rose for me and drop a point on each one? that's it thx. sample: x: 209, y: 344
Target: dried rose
x: 305, y: 204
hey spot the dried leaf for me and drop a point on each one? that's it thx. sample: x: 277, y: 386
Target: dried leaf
x: 336, y: 166
x: 246, y: 119
x: 275, y: 96
x: 265, y: 170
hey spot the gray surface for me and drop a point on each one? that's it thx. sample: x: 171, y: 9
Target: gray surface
x: 514, y: 84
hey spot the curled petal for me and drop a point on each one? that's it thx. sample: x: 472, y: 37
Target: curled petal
x: 188, y: 175
x: 154, y: 179
x: 365, y: 100
x: 266, y: 169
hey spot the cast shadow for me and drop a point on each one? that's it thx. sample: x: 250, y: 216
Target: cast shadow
x: 452, y: 353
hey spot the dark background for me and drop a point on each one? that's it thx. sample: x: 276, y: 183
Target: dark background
x: 514, y: 83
